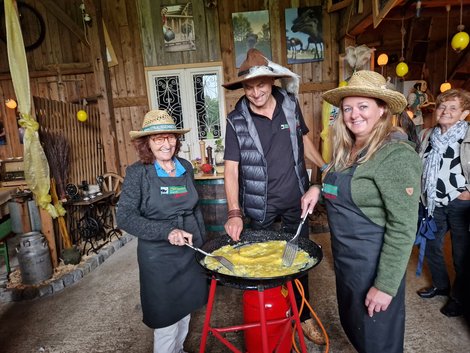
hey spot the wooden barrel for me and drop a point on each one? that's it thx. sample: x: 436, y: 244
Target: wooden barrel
x: 213, y: 203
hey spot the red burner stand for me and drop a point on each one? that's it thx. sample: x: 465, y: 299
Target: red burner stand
x: 262, y: 324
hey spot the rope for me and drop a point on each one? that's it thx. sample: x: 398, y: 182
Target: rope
x: 300, y: 288
x: 447, y: 39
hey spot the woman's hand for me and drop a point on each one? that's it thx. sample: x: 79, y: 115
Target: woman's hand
x: 180, y: 237
x: 234, y: 227
x: 309, y: 200
x: 377, y: 301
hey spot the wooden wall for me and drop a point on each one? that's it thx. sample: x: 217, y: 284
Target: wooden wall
x: 128, y: 85
x: 61, y: 68
x: 215, y: 42
x: 206, y: 33
x: 316, y: 77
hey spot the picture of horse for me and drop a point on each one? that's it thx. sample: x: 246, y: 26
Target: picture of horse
x: 304, y: 35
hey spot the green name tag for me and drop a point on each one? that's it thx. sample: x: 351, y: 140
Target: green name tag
x: 173, y: 190
x: 330, y: 191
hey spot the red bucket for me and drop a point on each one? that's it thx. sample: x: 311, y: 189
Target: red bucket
x: 276, y: 306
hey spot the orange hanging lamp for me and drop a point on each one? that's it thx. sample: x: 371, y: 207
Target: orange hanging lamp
x: 446, y: 85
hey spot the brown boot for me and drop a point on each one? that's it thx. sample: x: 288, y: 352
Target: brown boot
x: 313, y: 332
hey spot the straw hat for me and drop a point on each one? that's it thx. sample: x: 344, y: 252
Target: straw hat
x: 370, y: 84
x: 157, y: 122
x: 256, y: 65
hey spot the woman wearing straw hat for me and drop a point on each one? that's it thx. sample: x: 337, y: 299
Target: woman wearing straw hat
x: 158, y: 205
x: 371, y: 189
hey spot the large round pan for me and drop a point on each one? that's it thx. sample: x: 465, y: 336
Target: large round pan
x: 258, y: 236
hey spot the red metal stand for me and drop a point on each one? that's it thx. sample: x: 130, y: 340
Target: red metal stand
x: 217, y: 332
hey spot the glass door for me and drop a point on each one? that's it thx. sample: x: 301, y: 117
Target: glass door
x: 193, y: 97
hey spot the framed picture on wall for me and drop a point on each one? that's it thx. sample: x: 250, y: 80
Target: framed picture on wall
x: 335, y: 5
x: 380, y: 9
x: 178, y: 27
x: 304, y: 35
x: 251, y: 30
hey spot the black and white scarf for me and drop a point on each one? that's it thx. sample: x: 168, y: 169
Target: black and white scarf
x: 439, y: 142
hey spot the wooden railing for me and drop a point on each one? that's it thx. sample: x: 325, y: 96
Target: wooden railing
x: 86, y: 160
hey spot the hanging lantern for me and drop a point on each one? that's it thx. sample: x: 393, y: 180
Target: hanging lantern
x: 401, y: 69
x: 11, y: 103
x: 445, y: 86
x: 82, y: 116
x: 382, y: 59
x: 460, y: 41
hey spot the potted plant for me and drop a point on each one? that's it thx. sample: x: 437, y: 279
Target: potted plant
x: 219, y: 152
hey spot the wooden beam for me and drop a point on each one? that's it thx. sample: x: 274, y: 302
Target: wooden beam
x: 317, y: 86
x: 103, y: 84
x: 130, y: 102
x: 68, y: 66
x: 464, y: 61
x: 53, y: 70
x: 65, y: 19
x: 354, y: 24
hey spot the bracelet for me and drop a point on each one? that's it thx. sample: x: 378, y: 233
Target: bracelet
x: 323, y: 167
x: 234, y: 214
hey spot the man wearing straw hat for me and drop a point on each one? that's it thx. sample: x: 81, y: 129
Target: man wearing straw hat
x: 265, y: 174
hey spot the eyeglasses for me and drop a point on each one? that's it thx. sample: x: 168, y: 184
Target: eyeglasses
x: 160, y: 140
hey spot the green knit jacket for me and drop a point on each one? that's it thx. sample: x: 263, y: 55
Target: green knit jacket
x: 386, y: 189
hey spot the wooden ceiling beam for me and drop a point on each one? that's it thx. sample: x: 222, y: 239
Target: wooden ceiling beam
x: 52, y: 7
x: 462, y: 64
x: 354, y: 24
x: 47, y: 72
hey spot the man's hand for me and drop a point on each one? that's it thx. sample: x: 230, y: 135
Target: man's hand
x: 234, y: 227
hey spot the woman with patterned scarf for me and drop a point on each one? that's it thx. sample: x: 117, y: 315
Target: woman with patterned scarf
x: 446, y: 194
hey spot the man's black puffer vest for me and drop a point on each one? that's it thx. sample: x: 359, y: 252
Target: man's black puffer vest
x: 253, y: 177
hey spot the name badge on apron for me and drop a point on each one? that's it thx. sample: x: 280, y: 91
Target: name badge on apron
x: 176, y: 191
x: 330, y: 191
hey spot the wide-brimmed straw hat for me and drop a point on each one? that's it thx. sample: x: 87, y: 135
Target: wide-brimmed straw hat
x: 365, y: 83
x: 256, y: 65
x: 157, y: 122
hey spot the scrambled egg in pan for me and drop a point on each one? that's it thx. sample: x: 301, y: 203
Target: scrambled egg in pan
x: 258, y: 260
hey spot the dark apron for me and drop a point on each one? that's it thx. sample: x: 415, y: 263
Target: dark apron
x: 172, y: 284
x: 356, y: 244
